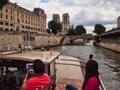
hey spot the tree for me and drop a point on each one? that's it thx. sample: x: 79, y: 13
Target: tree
x: 80, y: 30
x: 72, y: 31
x: 54, y: 26
x: 99, y: 29
x: 3, y: 2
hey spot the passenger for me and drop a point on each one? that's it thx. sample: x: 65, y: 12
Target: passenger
x: 48, y: 48
x: 8, y: 82
x: 20, y: 47
x: 91, y: 81
x: 39, y: 79
x: 19, y: 74
x: 91, y: 57
x: 42, y: 49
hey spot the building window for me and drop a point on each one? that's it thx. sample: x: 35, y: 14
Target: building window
x: 6, y: 24
x: 11, y: 29
x: 11, y: 11
x: 11, y: 18
x: 18, y: 14
x: 6, y: 16
x: 1, y: 23
x: 6, y: 10
x: 1, y: 28
x: 1, y: 15
x: 28, y: 22
x: 22, y: 26
x: 26, y: 27
x: 11, y: 25
x: 6, y: 29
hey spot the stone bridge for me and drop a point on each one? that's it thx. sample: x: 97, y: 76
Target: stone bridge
x: 72, y: 38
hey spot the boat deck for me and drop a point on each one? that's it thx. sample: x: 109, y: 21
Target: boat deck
x: 62, y: 82
x: 69, y: 71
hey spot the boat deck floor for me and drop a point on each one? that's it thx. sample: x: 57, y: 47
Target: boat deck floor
x: 62, y: 82
x: 68, y: 72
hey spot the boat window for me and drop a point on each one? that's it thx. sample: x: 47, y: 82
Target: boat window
x: 12, y: 68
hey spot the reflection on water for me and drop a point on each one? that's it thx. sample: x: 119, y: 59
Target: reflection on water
x: 109, y: 62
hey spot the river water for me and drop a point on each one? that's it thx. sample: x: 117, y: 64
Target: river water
x: 109, y: 62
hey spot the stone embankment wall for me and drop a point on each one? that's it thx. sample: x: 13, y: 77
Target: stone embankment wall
x: 11, y: 41
x: 112, y: 46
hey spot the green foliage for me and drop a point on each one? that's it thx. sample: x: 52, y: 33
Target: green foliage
x: 80, y: 30
x: 3, y: 2
x: 54, y: 26
x: 99, y: 29
x: 71, y: 31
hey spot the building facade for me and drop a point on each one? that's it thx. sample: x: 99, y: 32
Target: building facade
x: 65, y: 22
x: 56, y: 18
x: 118, y: 22
x: 16, y: 18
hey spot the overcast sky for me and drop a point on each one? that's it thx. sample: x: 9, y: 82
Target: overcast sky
x: 81, y: 12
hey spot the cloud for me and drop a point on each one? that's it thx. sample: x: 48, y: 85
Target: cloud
x: 27, y: 4
x: 81, y: 12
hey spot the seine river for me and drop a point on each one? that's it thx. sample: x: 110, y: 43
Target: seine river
x: 109, y: 62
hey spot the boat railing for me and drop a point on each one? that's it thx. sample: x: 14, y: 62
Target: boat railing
x: 102, y: 86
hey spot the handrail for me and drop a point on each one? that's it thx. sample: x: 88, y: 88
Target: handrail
x: 102, y: 86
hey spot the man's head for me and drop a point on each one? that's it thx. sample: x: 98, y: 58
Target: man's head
x: 91, y: 56
x: 38, y: 66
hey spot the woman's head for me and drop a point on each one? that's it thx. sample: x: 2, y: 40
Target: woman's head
x: 90, y: 71
x: 92, y: 68
x: 38, y: 66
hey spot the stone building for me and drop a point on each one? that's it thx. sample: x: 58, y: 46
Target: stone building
x: 65, y: 22
x: 118, y: 22
x: 16, y: 18
x: 56, y: 18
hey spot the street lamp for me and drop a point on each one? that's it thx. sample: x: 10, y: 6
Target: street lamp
x: 49, y: 43
x: 50, y: 31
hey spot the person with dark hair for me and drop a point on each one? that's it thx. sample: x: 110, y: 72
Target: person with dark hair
x: 39, y: 79
x: 91, y: 80
x: 8, y: 81
x: 90, y: 56
x: 19, y: 74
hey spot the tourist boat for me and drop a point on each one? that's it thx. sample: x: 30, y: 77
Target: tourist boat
x: 62, y: 69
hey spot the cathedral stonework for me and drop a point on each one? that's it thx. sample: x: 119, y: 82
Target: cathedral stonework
x: 65, y: 21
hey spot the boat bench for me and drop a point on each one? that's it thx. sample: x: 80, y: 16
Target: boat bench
x: 62, y: 82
